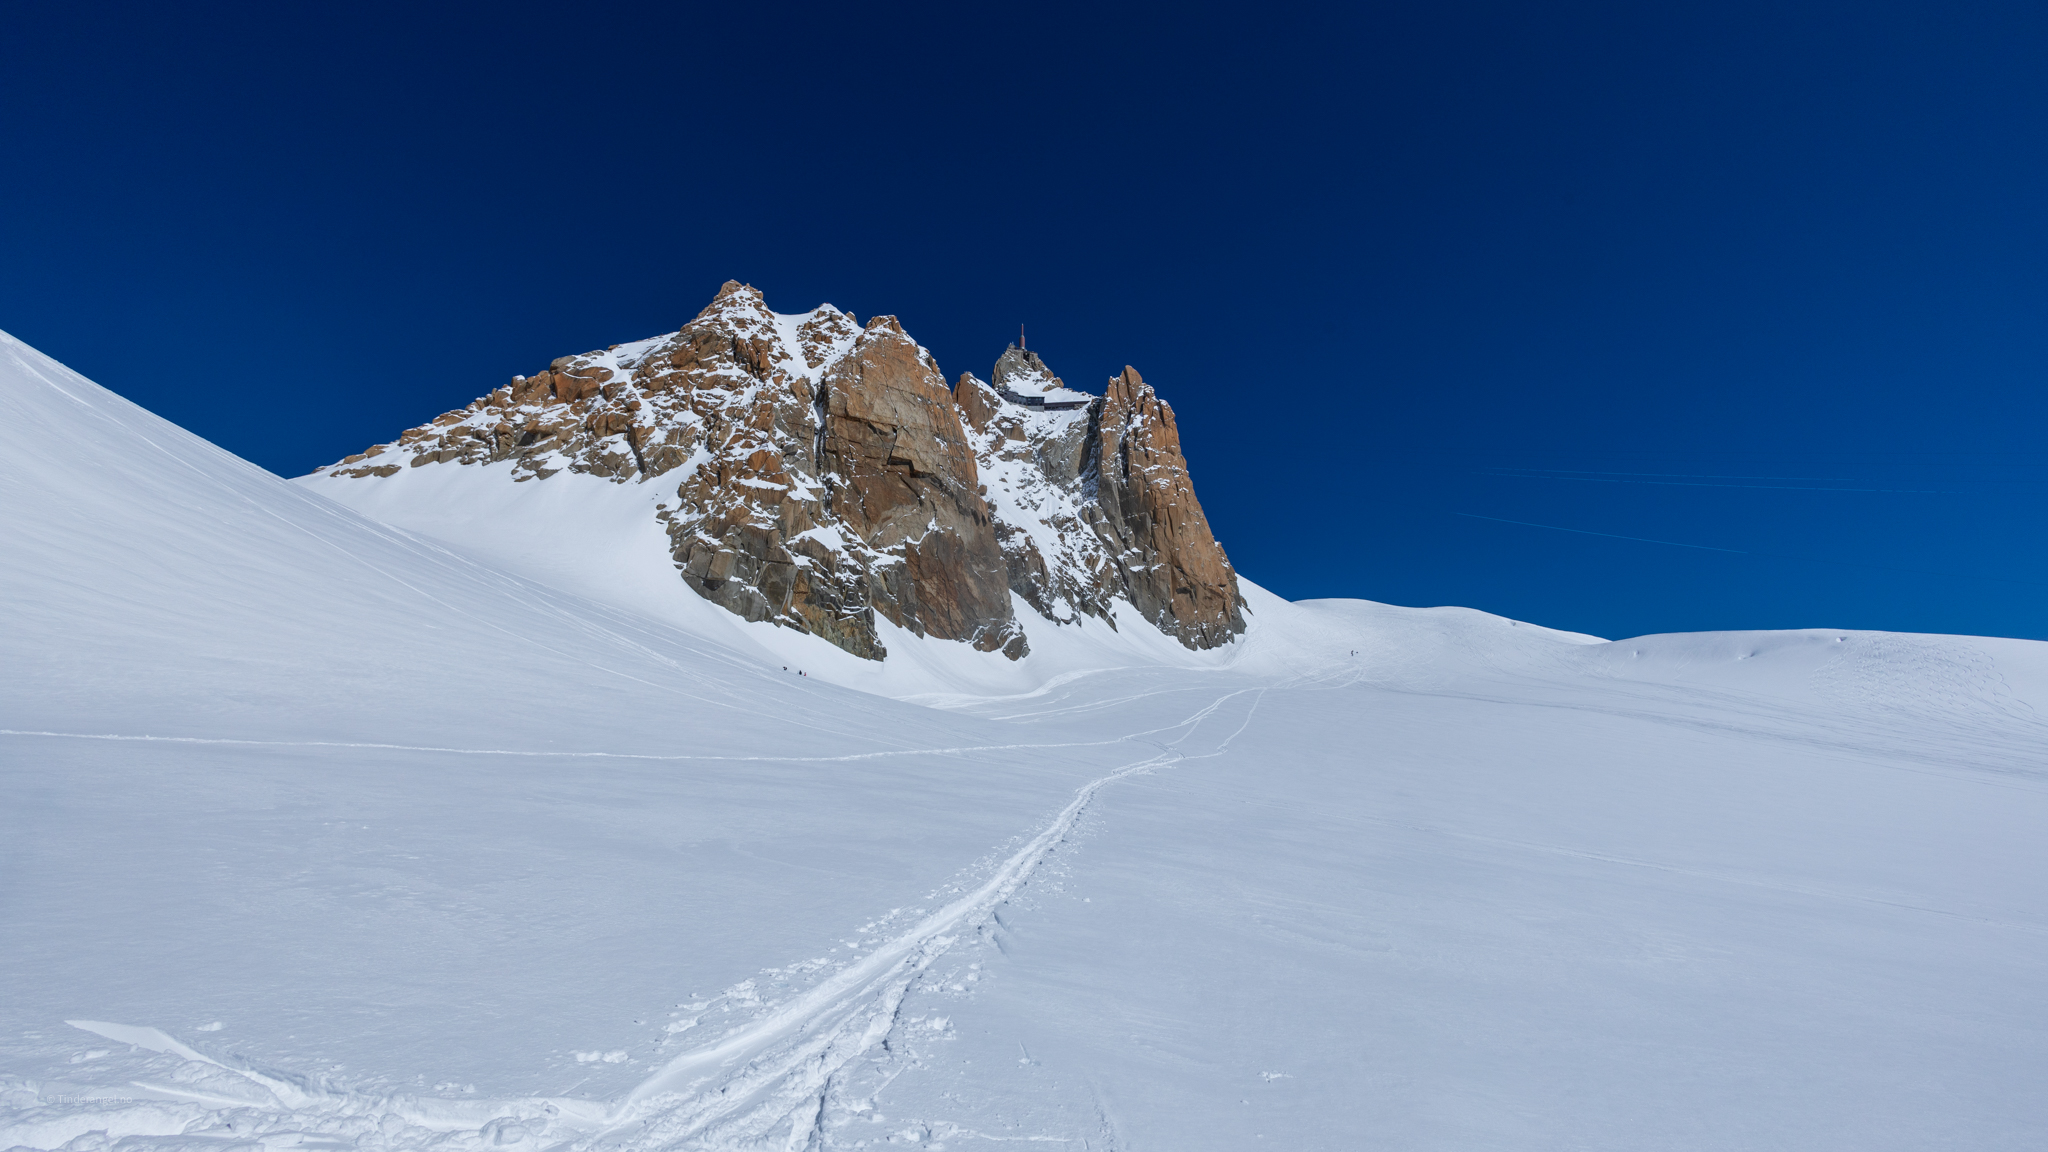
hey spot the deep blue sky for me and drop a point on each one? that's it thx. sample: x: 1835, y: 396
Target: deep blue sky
x: 1764, y: 278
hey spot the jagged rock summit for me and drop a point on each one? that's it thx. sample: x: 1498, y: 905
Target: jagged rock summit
x: 825, y: 474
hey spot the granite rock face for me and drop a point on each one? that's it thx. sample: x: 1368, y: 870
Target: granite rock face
x: 826, y: 477
x: 1175, y: 572
x: 1095, y: 506
x: 903, y: 481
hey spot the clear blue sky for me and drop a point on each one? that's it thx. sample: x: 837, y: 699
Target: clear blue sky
x: 1750, y: 298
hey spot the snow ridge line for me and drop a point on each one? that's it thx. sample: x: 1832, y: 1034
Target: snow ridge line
x: 439, y: 556
x: 572, y: 755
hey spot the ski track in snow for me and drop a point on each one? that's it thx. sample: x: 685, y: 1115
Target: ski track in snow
x: 769, y: 1082
x: 788, y: 1059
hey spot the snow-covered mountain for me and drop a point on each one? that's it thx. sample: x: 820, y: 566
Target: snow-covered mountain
x: 818, y: 474
x: 321, y: 832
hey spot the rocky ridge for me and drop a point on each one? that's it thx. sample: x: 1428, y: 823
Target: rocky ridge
x: 826, y: 474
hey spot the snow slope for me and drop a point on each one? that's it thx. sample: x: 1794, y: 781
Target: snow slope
x: 325, y: 833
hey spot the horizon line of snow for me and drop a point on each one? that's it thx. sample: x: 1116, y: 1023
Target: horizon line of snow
x: 583, y: 755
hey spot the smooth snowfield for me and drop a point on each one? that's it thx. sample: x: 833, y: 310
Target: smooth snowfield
x: 324, y: 833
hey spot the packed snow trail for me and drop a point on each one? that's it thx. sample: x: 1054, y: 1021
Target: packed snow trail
x: 838, y: 1019
x: 788, y: 1057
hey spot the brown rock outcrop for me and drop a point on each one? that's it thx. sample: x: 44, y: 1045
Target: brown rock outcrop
x: 825, y: 476
x: 902, y: 479
x: 978, y: 403
x: 1175, y: 572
